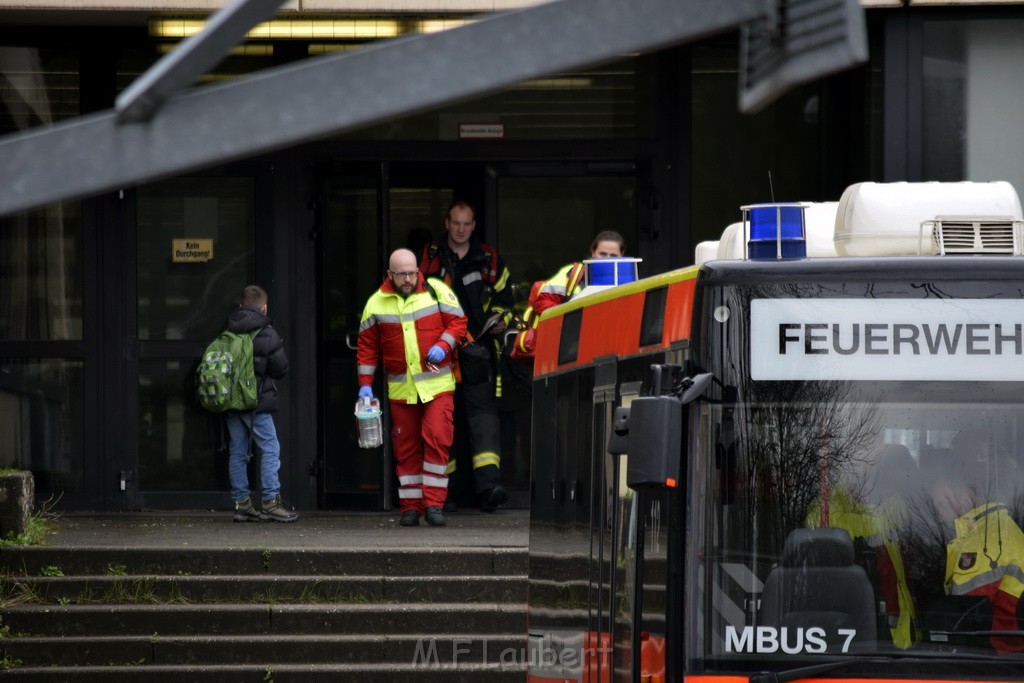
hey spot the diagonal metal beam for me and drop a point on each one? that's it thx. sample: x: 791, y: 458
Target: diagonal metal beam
x: 194, y: 57
x: 319, y: 97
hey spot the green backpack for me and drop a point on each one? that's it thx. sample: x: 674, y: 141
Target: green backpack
x: 225, y: 379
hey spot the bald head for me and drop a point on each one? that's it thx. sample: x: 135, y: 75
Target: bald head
x: 402, y: 260
x: 402, y: 269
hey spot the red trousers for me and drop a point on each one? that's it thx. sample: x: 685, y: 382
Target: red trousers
x: 421, y: 436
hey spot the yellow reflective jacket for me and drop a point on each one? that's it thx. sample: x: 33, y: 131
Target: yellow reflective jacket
x: 987, y: 558
x: 400, y: 331
x: 877, y: 525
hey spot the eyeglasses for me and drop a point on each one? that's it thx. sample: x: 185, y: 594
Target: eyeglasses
x: 407, y: 275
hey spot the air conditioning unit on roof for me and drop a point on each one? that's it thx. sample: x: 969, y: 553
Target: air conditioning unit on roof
x: 909, y: 219
x: 975, y: 234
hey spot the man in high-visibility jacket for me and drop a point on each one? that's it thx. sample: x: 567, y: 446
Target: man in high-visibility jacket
x: 479, y: 278
x: 413, y: 325
x: 876, y: 527
x: 986, y: 556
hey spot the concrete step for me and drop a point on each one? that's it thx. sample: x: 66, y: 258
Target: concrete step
x: 577, y: 592
x: 98, y: 561
x: 233, y: 619
x: 491, y: 672
x: 434, y: 650
x: 198, y: 609
x: 263, y: 589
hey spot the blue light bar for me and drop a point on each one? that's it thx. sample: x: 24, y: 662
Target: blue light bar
x: 610, y: 272
x: 776, y: 231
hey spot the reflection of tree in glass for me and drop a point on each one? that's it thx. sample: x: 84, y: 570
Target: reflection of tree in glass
x: 924, y: 540
x: 797, y: 439
x: 794, y: 438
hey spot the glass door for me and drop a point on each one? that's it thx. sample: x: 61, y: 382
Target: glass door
x: 369, y: 210
x: 194, y: 252
x: 545, y: 216
x: 538, y: 216
x: 352, y: 264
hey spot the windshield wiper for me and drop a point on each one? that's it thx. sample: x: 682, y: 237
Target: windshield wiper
x: 1011, y: 634
x: 790, y: 675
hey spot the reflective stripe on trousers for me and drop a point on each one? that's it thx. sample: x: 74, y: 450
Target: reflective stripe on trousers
x: 421, y: 437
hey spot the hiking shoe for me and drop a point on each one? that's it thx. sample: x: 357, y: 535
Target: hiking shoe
x: 492, y: 498
x: 245, y: 512
x: 275, y: 511
x: 410, y: 518
x: 435, y: 516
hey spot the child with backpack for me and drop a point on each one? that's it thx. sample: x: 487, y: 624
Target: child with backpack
x: 269, y: 363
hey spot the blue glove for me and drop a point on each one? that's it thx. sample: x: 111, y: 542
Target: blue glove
x: 365, y: 392
x: 435, y: 354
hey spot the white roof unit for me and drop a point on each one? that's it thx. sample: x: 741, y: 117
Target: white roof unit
x: 706, y: 251
x: 902, y: 219
x: 817, y: 219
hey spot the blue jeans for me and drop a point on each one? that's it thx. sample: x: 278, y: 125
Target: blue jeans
x: 264, y: 435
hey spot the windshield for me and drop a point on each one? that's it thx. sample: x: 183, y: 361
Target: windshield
x: 847, y: 508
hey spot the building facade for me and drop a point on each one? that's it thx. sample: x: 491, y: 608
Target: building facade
x: 107, y: 300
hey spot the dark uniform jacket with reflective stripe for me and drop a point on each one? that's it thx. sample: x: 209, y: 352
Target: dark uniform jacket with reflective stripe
x: 479, y: 279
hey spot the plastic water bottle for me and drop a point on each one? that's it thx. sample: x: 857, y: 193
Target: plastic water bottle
x: 371, y: 434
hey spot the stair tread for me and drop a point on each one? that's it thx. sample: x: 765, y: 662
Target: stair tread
x: 262, y: 637
x: 300, y: 623
x: 273, y: 577
x: 262, y: 607
x: 277, y: 668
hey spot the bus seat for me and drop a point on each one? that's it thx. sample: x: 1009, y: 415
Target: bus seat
x: 817, y: 584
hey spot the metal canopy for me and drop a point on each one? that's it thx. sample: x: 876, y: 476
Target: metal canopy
x: 804, y: 40
x: 181, y: 67
x: 325, y: 96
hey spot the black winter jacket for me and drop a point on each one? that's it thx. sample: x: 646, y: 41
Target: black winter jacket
x: 269, y: 361
x: 474, y: 294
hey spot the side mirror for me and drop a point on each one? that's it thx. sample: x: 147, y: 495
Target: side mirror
x: 696, y: 387
x: 651, y: 432
x: 618, y: 442
x: 654, y: 441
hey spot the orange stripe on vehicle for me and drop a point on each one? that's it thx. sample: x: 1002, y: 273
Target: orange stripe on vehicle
x: 611, y: 328
x: 545, y: 352
x: 678, y: 311
x: 611, y: 321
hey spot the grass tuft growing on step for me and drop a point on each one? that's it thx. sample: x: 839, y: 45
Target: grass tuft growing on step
x: 38, y: 525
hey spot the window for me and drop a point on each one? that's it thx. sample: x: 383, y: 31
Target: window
x: 41, y: 280
x: 969, y: 101
x: 42, y: 405
x: 37, y: 87
x: 653, y: 321
x: 569, y: 343
x: 191, y: 299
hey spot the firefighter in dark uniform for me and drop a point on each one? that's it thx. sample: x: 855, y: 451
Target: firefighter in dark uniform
x: 479, y: 278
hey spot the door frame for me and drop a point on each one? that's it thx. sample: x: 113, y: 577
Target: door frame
x: 121, y: 486
x: 473, y: 179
